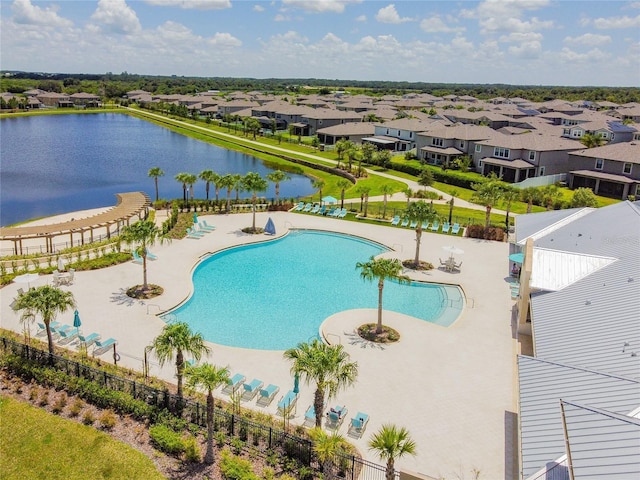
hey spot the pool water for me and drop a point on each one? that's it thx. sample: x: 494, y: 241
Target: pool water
x: 273, y: 295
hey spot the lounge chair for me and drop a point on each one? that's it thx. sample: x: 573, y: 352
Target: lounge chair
x: 136, y: 257
x: 310, y: 416
x: 336, y: 212
x: 204, y: 225
x: 56, y: 278
x: 150, y: 255
x: 89, y: 339
x: 335, y: 416
x: 234, y: 383
x: 343, y: 213
x: 191, y: 233
x: 455, y: 229
x: 266, y: 395
x: 307, y: 207
x: 405, y: 222
x: 42, y: 328
x: 425, y: 225
x: 198, y: 229
x: 299, y: 207
x: 358, y: 425
x: 67, y: 336
x: 315, y: 209
x: 101, y: 347
x: 251, y: 389
x: 445, y: 227
x: 331, y: 212
x: 287, y: 403
x: 413, y: 224
x: 322, y: 210
x: 396, y: 220
x: 435, y: 226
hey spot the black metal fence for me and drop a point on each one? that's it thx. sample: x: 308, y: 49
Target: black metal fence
x: 237, y: 431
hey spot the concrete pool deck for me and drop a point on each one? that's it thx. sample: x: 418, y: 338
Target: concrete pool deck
x: 452, y: 387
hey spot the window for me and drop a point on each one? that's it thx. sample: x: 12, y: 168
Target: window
x: 398, y: 132
x: 599, y: 163
x: 462, y: 144
x: 387, y: 131
x: 410, y: 134
x: 478, y: 148
x: 576, y: 133
x: 566, y: 131
x: 479, y: 163
x: 626, y: 168
x: 541, y: 172
x: 438, y: 142
x: 501, y: 152
x: 532, y: 155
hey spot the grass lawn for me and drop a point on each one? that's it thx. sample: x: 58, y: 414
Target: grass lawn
x: 37, y: 444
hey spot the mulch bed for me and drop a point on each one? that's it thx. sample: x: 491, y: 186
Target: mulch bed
x: 388, y: 335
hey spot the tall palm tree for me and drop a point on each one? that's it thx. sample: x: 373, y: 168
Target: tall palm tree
x: 487, y: 193
x: 454, y: 192
x: 209, y: 176
x: 551, y: 193
x: 46, y: 301
x: 208, y: 377
x: 530, y: 195
x: 408, y: 193
x: 352, y: 153
x: 154, y: 173
x: 343, y: 146
x: 327, y: 447
x: 509, y: 195
x: 343, y: 184
x: 227, y: 181
x: 392, y: 442
x: 190, y: 179
x: 420, y: 212
x: 237, y: 184
x: 387, y: 189
x: 328, y: 366
x: 364, y: 190
x: 254, y: 183
x: 253, y: 126
x: 176, y: 340
x: 183, y: 178
x: 426, y: 178
x: 277, y: 177
x: 381, y: 269
x: 142, y: 234
x: 318, y: 184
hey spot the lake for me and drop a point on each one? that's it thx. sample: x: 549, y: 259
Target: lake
x: 54, y: 164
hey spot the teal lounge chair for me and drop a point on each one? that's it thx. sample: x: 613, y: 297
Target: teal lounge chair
x: 267, y: 394
x: 413, y: 224
x: 425, y: 225
x: 343, y: 213
x: 455, y: 229
x: 307, y: 207
x: 331, y: 212
x: 234, y: 383
x: 310, y: 416
x: 335, y: 416
x: 204, y: 226
x: 287, y: 403
x: 322, y: 210
x: 89, y: 339
x: 67, y: 336
x: 251, y: 389
x: 299, y: 207
x: 446, y: 227
x: 101, y: 347
x: 436, y: 226
x: 150, y: 255
x: 405, y: 223
x: 315, y: 209
x: 358, y: 425
x: 396, y: 220
x: 136, y: 258
x: 191, y: 233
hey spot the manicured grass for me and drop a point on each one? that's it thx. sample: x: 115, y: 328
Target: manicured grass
x: 37, y: 444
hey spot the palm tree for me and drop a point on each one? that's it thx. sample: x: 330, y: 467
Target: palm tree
x: 328, y: 366
x: 420, y: 212
x: 343, y: 146
x: 551, y: 193
x: 382, y: 269
x: 227, y: 181
x: 143, y: 234
x: 46, y: 301
x: 343, y: 184
x: 387, y: 189
x: 209, y: 176
x: 509, y: 195
x: 364, y: 190
x: 454, y: 192
x: 190, y: 179
x: 318, y: 184
x: 327, y: 447
x: 392, y: 442
x: 237, y: 184
x: 176, y: 340
x: 591, y: 140
x: 352, y: 153
x: 488, y: 194
x: 254, y: 183
x: 277, y: 177
x: 253, y: 126
x: 182, y: 178
x: 529, y: 195
x: 426, y: 178
x: 408, y: 193
x: 209, y: 377
x: 154, y: 173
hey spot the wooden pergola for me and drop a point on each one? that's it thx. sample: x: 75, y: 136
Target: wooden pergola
x: 129, y: 205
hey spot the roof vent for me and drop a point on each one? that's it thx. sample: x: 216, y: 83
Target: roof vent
x: 588, y: 302
x: 630, y: 279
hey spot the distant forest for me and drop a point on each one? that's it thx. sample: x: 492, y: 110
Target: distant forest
x: 111, y: 85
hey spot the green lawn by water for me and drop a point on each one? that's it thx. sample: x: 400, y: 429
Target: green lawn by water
x: 37, y: 444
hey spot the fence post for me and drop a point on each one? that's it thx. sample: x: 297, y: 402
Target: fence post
x: 233, y: 421
x: 270, y: 432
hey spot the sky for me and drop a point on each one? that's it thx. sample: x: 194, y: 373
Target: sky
x: 517, y: 42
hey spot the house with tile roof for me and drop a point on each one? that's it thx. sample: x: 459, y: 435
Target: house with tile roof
x: 442, y: 144
x: 353, y: 131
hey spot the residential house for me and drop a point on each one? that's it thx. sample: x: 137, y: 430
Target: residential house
x: 611, y: 170
x: 494, y: 120
x: 55, y: 100
x: 234, y: 106
x: 85, y: 100
x: 442, y: 144
x: 319, y: 118
x: 353, y: 131
x: 398, y: 135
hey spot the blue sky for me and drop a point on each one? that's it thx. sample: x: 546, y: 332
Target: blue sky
x: 532, y: 42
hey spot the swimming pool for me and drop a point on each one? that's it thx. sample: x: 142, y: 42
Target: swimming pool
x: 273, y: 295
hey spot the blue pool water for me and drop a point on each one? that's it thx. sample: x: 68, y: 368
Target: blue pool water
x: 275, y: 294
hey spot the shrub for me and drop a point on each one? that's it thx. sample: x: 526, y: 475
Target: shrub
x: 76, y: 408
x: 237, y: 445
x: 192, y: 450
x: 107, y: 420
x: 235, y: 468
x: 493, y: 233
x: 220, y: 438
x: 88, y: 418
x: 60, y: 403
x: 44, y: 399
x: 167, y: 440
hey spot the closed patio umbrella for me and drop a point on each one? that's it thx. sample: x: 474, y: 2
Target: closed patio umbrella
x: 195, y: 217
x: 76, y: 321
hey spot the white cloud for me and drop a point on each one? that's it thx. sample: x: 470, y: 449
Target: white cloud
x: 116, y: 16
x: 225, y: 40
x: 527, y: 50
x: 507, y: 16
x: 26, y: 13
x: 517, y: 37
x: 588, y: 39
x: 389, y: 14
x: 320, y: 6
x: 593, y: 56
x: 435, y: 24
x: 617, y: 22
x: 361, y: 18
x: 258, y: 8
x: 281, y: 18
x: 192, y: 4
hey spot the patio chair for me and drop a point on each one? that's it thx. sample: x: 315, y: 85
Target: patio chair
x: 446, y: 227
x: 68, y: 279
x: 56, y: 278
x: 136, y: 257
x: 307, y: 207
x: 396, y: 220
x: 335, y: 416
x: 150, y: 255
x: 310, y: 416
x: 455, y: 229
x: 287, y: 403
x: 405, y: 222
x: 425, y: 225
x: 251, y: 389
x: 88, y: 340
x: 207, y: 226
x: 413, y: 224
x: 191, y: 233
x: 358, y: 425
x: 299, y: 207
x: 101, y: 347
x: 203, y: 227
x: 343, y: 213
x: 20, y: 291
x: 331, y: 211
x: 234, y: 383
x: 315, y: 209
x: 322, y: 210
x: 435, y: 226
x: 337, y: 212
x: 67, y: 336
x: 266, y: 395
